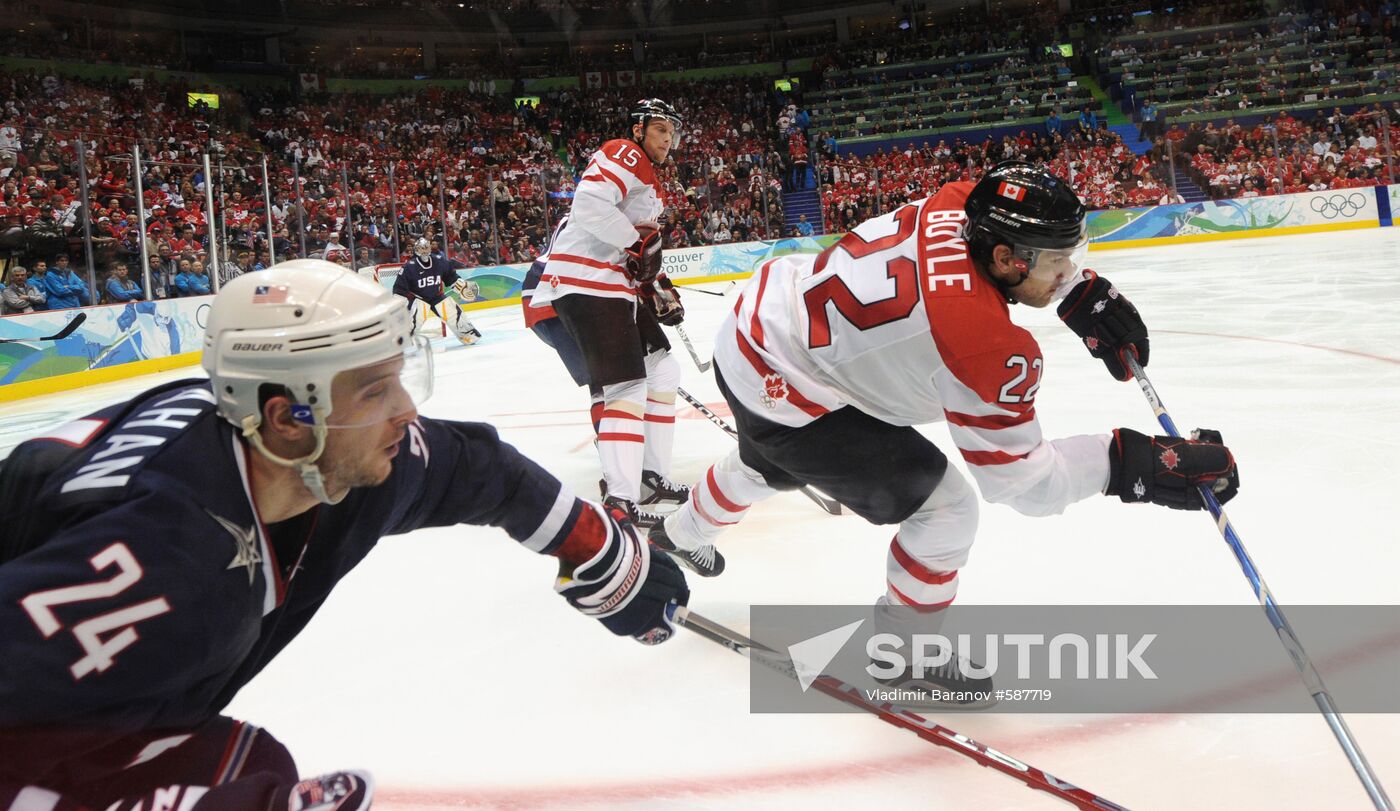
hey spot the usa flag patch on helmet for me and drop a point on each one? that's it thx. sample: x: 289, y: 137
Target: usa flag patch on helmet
x: 270, y: 294
x: 1012, y: 191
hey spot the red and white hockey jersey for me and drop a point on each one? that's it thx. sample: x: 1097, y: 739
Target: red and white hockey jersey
x: 618, y: 190
x: 897, y: 321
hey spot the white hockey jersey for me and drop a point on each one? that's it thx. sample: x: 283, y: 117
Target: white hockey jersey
x: 618, y: 190
x: 897, y: 321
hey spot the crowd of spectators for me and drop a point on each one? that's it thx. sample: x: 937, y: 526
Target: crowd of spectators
x: 1100, y: 167
x: 485, y: 180
x: 495, y: 177
x: 1284, y: 155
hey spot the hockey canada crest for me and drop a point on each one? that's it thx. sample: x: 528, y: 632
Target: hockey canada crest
x: 1169, y: 459
x: 774, y: 389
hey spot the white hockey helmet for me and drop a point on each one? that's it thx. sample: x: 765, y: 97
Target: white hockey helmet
x: 422, y: 248
x: 296, y: 325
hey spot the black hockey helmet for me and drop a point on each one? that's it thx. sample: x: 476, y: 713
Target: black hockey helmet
x: 1022, y: 205
x: 647, y: 109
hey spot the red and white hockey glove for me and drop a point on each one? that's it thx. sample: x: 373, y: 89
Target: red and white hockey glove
x: 624, y: 586
x: 643, y: 257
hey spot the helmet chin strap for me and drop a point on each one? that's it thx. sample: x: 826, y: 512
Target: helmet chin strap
x: 305, y: 465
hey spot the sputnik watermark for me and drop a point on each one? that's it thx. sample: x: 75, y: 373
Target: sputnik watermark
x: 1113, y: 655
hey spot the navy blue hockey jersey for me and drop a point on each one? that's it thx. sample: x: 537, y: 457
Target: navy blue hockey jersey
x: 139, y: 589
x: 429, y: 282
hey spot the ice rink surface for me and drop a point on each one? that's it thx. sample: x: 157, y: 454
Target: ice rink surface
x: 447, y: 666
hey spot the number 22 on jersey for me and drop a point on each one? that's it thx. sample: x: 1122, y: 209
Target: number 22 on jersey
x: 833, y: 289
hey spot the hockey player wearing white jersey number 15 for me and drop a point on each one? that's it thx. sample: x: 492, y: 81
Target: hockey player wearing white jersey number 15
x: 828, y: 361
x: 600, y: 276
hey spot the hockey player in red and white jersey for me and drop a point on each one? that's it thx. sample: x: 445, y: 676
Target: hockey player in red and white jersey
x: 827, y: 362
x: 604, y: 256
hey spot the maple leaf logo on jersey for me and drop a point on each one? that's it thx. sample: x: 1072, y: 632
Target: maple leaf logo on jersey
x: 1170, y: 459
x: 1011, y: 191
x: 1092, y: 343
x: 774, y: 389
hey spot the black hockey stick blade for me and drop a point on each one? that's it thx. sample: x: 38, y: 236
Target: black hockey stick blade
x: 68, y: 329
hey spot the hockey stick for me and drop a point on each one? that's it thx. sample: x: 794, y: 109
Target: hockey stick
x: 721, y: 294
x: 925, y: 728
x: 1311, y: 679
x: 67, y: 330
x: 703, y: 366
x: 827, y: 503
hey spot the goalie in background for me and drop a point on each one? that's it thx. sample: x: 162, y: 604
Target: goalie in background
x: 424, y: 282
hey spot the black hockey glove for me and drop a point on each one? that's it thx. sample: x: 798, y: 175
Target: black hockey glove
x: 665, y: 301
x: 643, y: 257
x: 1108, y: 323
x: 627, y: 588
x: 1167, y: 470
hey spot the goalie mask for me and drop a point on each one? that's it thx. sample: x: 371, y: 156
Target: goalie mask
x: 422, y: 249
x: 290, y: 330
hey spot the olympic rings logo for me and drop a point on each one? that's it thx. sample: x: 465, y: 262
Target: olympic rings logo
x: 1339, y: 205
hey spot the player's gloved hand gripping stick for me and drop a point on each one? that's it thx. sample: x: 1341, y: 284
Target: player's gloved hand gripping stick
x: 632, y: 591
x: 1108, y: 323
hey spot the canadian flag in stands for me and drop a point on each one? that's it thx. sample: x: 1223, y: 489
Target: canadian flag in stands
x: 312, y: 81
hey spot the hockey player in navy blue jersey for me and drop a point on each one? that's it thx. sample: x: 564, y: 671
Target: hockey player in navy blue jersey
x: 424, y: 281
x: 171, y: 546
